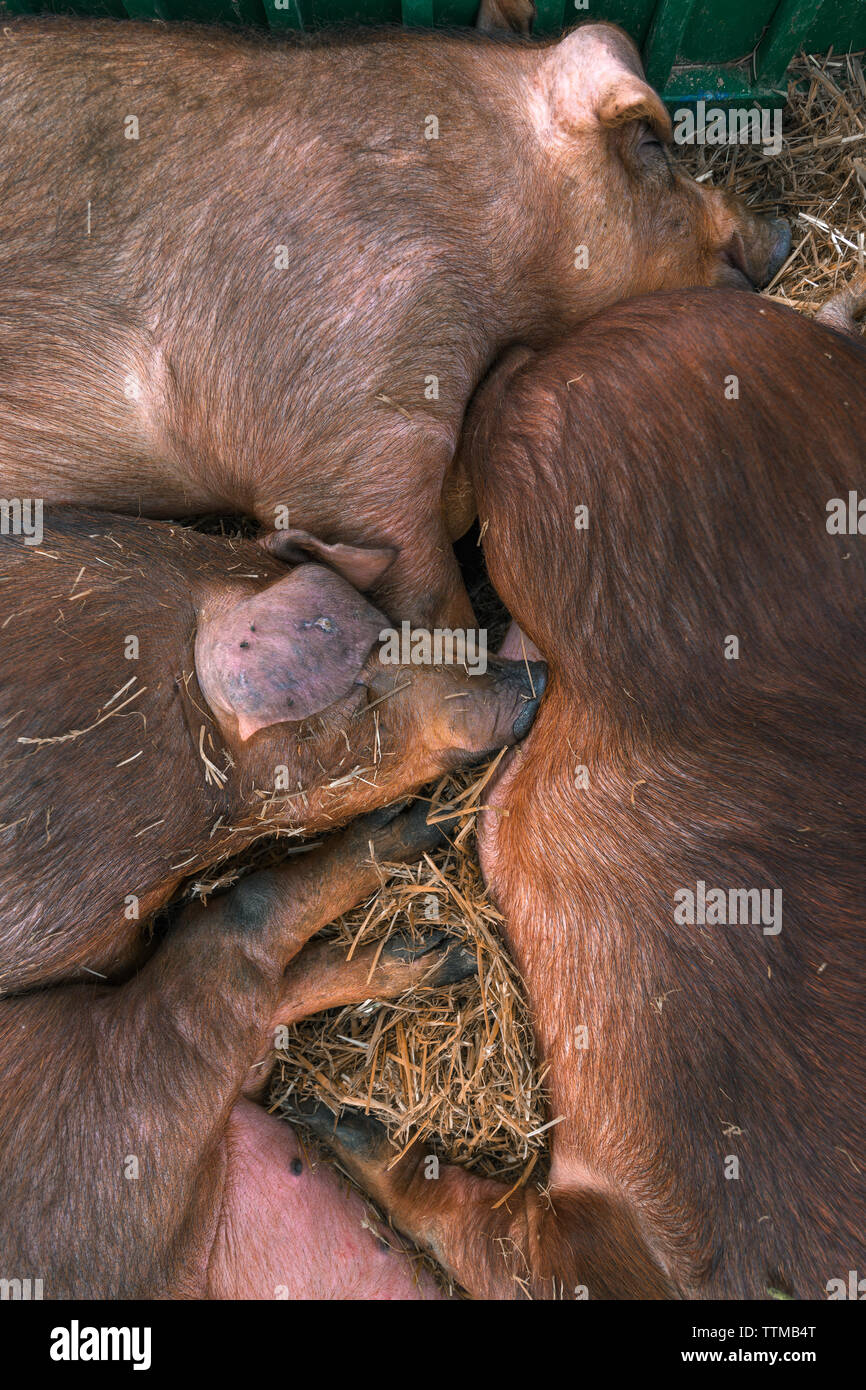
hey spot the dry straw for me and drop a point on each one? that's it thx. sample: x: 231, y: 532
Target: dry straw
x: 455, y: 1066
x: 817, y: 181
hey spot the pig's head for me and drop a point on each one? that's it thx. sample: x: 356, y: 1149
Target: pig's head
x: 644, y: 224
x: 320, y: 703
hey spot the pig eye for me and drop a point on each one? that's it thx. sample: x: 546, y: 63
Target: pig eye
x: 649, y: 144
x: 651, y: 155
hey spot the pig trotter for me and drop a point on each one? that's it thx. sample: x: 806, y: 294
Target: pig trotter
x: 451, y: 965
x: 349, y: 1131
x: 322, y: 977
x: 403, y: 946
x: 399, y: 835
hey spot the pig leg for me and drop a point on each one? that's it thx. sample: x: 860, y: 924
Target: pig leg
x: 322, y: 978
x: 125, y: 1148
x: 498, y: 1243
x: 506, y: 17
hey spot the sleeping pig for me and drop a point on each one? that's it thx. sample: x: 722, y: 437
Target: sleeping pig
x: 264, y: 275
x: 170, y: 697
x: 679, y: 850
x: 166, y: 698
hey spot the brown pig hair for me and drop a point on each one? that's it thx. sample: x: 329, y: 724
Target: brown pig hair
x: 707, y: 518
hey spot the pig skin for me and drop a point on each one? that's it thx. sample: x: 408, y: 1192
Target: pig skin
x: 243, y: 309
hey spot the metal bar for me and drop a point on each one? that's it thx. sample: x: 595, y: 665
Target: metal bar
x: 284, y: 14
x: 208, y: 11
x: 250, y: 11
x: 723, y: 86
x: 785, y: 34
x: 665, y: 40
x: 417, y: 14
x: 147, y: 9
x: 553, y: 15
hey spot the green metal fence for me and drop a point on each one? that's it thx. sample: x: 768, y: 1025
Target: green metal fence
x: 725, y: 50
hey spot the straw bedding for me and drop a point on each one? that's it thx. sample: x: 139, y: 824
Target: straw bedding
x: 818, y: 181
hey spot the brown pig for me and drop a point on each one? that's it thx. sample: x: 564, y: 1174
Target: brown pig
x: 679, y: 851
x: 264, y: 275
x: 166, y: 698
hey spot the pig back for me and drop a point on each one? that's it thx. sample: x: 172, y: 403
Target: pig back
x: 684, y: 834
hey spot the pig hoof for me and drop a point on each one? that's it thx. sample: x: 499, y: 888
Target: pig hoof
x: 377, y: 820
x: 403, y: 835
x: 455, y: 961
x: 538, y: 676
x: 458, y: 964
x: 406, y: 947
x: 350, y: 1130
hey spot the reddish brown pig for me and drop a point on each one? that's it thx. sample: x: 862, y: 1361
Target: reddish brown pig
x: 170, y: 697
x: 253, y: 274
x: 680, y: 851
x: 165, y: 699
x: 846, y: 308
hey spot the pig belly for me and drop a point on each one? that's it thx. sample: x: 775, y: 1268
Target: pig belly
x: 297, y: 1235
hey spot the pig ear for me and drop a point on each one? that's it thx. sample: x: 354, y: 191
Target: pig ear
x: 594, y: 76
x: 362, y: 566
x: 632, y: 99
x: 287, y: 652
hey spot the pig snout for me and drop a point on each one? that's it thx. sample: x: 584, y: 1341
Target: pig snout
x: 519, y: 686
x: 433, y: 719
x: 476, y: 715
x: 780, y: 248
x: 758, y: 249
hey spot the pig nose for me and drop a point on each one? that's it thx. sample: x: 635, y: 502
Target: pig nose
x: 534, y: 680
x: 781, y: 246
